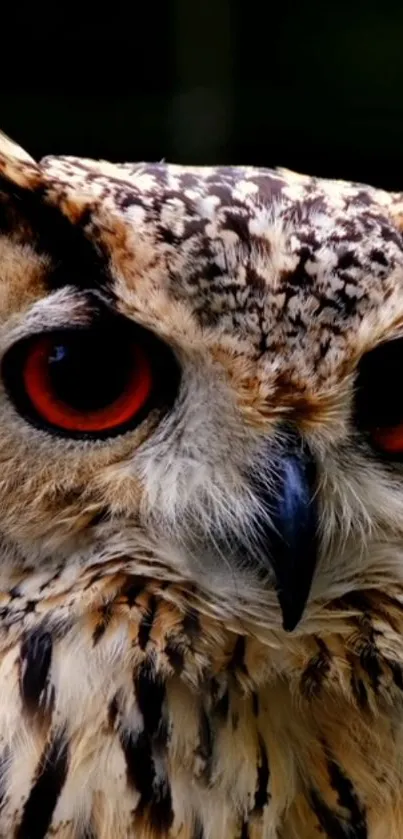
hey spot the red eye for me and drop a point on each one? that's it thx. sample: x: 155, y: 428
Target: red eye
x: 88, y: 382
x: 379, y: 398
x: 389, y: 440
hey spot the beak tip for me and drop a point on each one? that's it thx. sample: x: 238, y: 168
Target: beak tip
x: 289, y: 626
x: 290, y: 615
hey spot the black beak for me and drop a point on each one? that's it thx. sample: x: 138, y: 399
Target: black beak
x: 291, y: 538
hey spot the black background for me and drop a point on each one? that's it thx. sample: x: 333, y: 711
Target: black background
x: 314, y: 86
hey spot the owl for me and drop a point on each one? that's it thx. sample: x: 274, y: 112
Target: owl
x: 201, y: 495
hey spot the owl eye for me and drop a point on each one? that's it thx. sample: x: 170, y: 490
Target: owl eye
x: 93, y: 382
x: 379, y: 397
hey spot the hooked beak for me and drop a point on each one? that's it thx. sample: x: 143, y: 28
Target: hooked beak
x: 291, y: 539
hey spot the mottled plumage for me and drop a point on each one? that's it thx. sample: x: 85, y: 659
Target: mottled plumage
x: 148, y: 687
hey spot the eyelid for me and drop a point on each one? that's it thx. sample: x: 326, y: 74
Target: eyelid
x: 63, y: 308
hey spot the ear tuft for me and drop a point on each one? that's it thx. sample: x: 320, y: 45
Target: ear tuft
x: 16, y: 165
x: 289, y: 174
x: 396, y: 210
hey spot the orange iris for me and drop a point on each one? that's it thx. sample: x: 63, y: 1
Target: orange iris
x: 389, y: 440
x: 39, y: 386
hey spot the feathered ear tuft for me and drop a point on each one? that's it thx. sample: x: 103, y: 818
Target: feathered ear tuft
x: 290, y: 175
x: 396, y: 209
x: 16, y: 165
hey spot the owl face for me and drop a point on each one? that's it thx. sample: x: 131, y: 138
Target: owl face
x: 200, y: 377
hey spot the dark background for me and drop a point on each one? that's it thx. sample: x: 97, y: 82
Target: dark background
x: 314, y: 86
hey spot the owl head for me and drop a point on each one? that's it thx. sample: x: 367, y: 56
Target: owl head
x: 200, y: 383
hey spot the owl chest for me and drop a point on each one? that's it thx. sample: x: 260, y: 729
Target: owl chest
x: 107, y: 752
x: 144, y: 720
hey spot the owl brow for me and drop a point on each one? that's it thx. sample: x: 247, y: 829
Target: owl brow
x: 28, y: 215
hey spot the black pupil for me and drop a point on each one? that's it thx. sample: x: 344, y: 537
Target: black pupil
x: 379, y: 391
x: 89, y: 372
